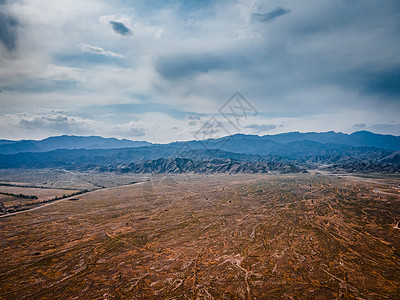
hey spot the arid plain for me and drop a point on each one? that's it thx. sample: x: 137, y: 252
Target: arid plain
x: 307, y: 236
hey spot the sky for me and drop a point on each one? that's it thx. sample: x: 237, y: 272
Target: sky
x: 163, y: 71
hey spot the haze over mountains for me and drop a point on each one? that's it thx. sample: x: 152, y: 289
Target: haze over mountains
x: 66, y: 142
x: 360, y: 151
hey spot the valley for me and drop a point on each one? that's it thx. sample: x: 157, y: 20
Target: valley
x: 220, y: 236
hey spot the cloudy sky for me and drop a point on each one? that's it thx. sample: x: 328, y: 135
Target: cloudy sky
x: 158, y: 70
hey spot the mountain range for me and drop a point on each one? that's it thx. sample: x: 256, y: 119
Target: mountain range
x: 66, y: 142
x: 360, y: 151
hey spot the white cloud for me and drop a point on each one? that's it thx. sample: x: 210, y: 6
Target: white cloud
x: 63, y: 73
x: 99, y: 51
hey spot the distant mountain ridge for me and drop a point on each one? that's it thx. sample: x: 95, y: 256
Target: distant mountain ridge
x: 238, y: 143
x: 67, y: 142
x: 356, y: 139
x: 357, y: 152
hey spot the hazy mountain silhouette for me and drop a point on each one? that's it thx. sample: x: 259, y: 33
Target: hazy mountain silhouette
x: 358, y: 152
x: 67, y: 142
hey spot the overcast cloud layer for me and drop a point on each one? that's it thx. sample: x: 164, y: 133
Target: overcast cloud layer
x: 158, y: 70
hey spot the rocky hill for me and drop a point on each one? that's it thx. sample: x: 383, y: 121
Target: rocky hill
x: 185, y: 165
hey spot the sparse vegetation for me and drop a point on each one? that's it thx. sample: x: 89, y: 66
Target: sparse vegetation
x: 20, y: 195
x: 240, y: 236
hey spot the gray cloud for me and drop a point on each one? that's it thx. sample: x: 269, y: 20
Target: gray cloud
x: 381, y: 80
x: 8, y: 31
x: 193, y: 120
x: 56, y: 123
x: 269, y: 16
x: 385, y: 81
x: 129, y: 130
x: 193, y: 117
x: 135, y: 132
x: 120, y: 28
x: 386, y: 128
x: 188, y: 65
x: 359, y: 126
x: 258, y: 128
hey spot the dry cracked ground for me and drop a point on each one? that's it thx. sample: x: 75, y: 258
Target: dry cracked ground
x: 210, y: 237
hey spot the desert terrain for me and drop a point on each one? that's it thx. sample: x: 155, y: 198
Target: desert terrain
x: 249, y: 236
